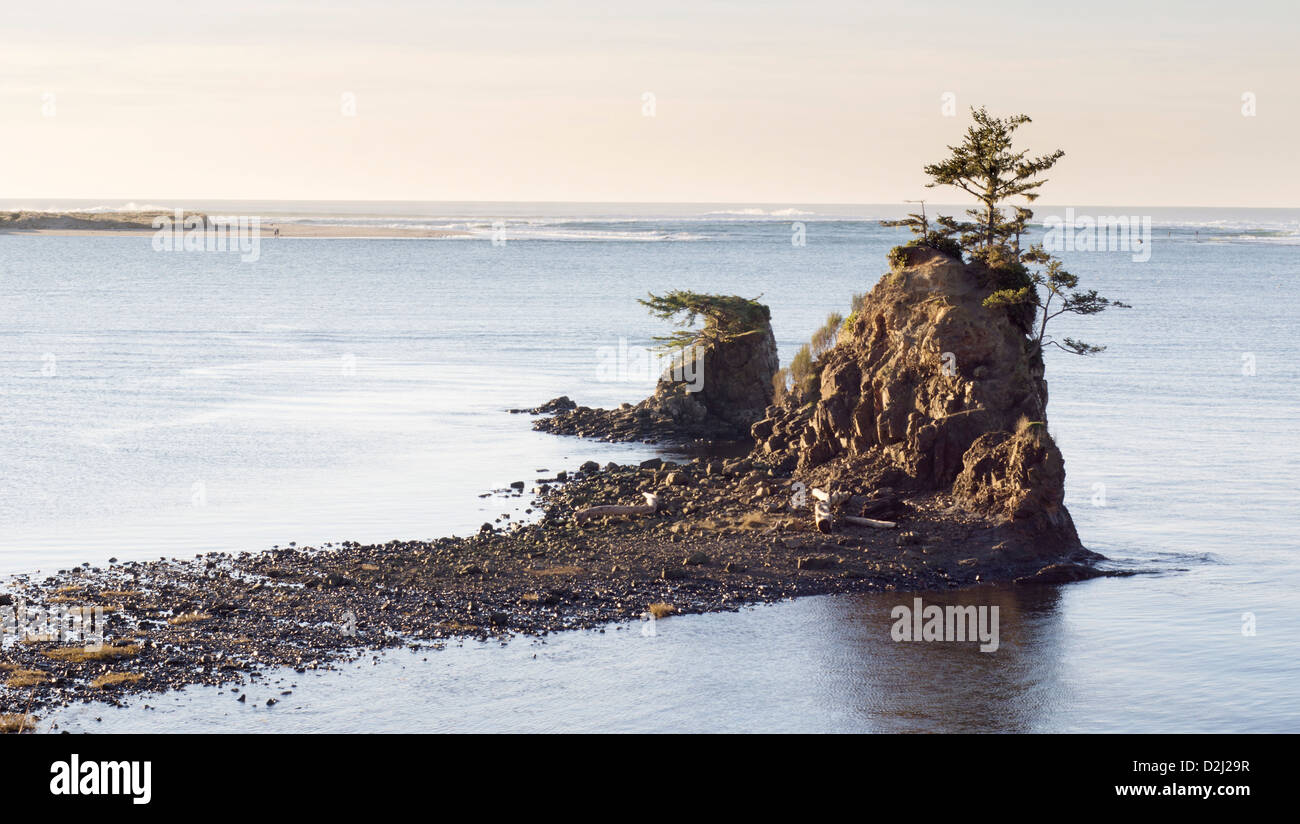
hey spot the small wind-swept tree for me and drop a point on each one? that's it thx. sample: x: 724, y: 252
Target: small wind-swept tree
x: 726, y: 317
x: 1051, y: 293
x: 987, y: 166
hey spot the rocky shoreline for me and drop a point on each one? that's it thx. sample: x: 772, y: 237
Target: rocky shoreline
x: 728, y: 533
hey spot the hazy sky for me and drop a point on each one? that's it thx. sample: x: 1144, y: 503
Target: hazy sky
x: 754, y: 101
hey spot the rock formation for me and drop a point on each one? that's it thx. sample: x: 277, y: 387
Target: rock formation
x: 929, y: 390
x: 714, y: 390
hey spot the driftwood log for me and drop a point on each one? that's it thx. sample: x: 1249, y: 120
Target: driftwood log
x: 650, y: 507
x: 826, y: 522
x: 822, y: 508
x: 822, y: 515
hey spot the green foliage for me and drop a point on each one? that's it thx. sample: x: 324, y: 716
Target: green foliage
x: 1010, y: 297
x: 801, y: 370
x: 939, y: 235
x: 949, y: 246
x: 802, y: 376
x: 823, y: 340
x: 987, y: 166
x: 726, y: 317
x: 780, y: 385
x: 1048, y: 286
x: 1004, y: 274
x: 855, y: 306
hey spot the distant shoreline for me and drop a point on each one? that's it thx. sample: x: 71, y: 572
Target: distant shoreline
x: 268, y: 232
x: 128, y: 224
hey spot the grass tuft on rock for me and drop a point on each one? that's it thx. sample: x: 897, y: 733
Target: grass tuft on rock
x: 81, y: 655
x: 17, y: 722
x: 115, y: 679
x: 661, y: 609
x: 26, y: 678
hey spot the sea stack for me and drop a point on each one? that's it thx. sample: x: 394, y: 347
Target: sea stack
x: 714, y: 389
x: 929, y: 390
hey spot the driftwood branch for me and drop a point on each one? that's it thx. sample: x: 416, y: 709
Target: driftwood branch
x: 825, y: 521
x: 832, y: 498
x: 871, y: 522
x: 650, y: 507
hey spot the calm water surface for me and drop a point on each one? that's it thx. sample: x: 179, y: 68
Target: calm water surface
x: 168, y: 404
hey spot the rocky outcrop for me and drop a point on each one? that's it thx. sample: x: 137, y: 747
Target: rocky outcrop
x: 712, y: 391
x: 1014, y: 476
x: 736, y: 375
x: 928, y: 389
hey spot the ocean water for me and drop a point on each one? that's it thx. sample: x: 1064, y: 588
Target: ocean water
x: 165, y: 404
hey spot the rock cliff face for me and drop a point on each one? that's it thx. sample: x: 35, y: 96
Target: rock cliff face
x: 716, y: 393
x: 928, y: 389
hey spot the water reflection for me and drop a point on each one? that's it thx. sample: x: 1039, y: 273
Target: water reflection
x: 823, y: 664
x: 932, y: 686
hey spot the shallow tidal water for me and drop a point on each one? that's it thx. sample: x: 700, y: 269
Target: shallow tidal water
x: 819, y: 664
x: 356, y: 390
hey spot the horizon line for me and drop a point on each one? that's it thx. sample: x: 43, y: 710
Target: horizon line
x: 628, y: 202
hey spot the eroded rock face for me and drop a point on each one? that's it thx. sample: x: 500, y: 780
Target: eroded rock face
x: 925, y: 385
x: 1017, y: 476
